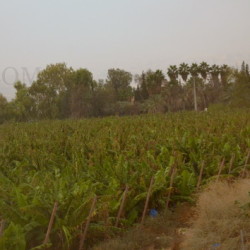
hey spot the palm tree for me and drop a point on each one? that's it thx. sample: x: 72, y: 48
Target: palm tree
x: 173, y: 73
x: 204, y: 70
x: 194, y: 71
x: 184, y: 71
x: 154, y: 81
x: 215, y: 72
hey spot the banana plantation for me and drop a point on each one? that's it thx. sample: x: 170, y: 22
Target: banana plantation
x: 73, y: 162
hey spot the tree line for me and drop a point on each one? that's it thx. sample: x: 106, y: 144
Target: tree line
x: 61, y: 92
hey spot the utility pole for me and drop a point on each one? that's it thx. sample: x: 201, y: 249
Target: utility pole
x: 195, y: 96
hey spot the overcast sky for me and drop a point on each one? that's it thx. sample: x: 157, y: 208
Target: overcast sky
x: 134, y: 35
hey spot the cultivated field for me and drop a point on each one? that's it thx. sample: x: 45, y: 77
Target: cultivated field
x: 71, y: 163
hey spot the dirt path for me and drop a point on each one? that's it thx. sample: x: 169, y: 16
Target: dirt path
x: 184, y: 215
x: 166, y: 231
x: 215, y: 223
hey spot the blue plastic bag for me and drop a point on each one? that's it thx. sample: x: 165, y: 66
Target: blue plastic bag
x: 153, y: 213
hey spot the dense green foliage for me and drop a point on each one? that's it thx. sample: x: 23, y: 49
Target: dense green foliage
x: 71, y: 161
x: 61, y: 92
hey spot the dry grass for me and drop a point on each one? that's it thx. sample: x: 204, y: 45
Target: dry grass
x: 220, y: 218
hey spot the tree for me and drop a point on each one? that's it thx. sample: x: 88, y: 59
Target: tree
x: 83, y: 77
x: 194, y: 71
x: 154, y: 80
x: 173, y: 74
x: 49, y: 90
x: 23, y: 104
x: 184, y: 71
x: 143, y: 87
x: 240, y: 91
x: 103, y: 100
x: 141, y: 92
x: 80, y: 93
x: 243, y: 67
x: 80, y: 102
x: 137, y: 94
x: 173, y: 96
x: 215, y: 72
x: 203, y: 69
x: 3, y: 109
x: 247, y: 70
x: 224, y: 74
x: 120, y: 80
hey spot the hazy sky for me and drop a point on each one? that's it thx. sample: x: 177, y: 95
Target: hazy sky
x: 134, y: 35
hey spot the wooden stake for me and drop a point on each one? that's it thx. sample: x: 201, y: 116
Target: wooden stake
x: 51, y: 221
x: 231, y: 164
x: 83, y: 236
x: 174, y: 165
x: 220, y: 169
x: 200, y: 176
x: 121, y: 206
x: 246, y: 161
x: 147, y: 200
x: 171, y: 186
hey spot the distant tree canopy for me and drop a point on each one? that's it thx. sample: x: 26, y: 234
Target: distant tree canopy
x: 3, y: 108
x: 61, y: 92
x: 240, y: 89
x: 120, y: 81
